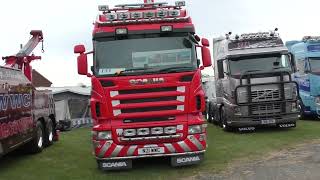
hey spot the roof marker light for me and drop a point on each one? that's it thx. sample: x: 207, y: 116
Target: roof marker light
x: 103, y: 8
x: 180, y: 3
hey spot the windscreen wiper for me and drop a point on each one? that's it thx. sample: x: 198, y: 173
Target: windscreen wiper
x: 176, y: 69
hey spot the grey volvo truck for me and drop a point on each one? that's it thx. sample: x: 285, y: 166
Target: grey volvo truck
x: 253, y: 83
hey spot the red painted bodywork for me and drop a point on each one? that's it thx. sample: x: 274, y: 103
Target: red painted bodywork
x: 102, y: 99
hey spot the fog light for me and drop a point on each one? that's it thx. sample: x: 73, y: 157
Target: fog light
x: 129, y: 132
x: 237, y: 111
x: 170, y: 130
x: 104, y: 135
x: 143, y: 131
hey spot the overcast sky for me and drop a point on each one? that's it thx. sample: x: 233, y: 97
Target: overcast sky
x: 66, y: 23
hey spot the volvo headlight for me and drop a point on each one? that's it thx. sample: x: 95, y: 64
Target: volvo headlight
x: 290, y: 91
x: 104, y: 135
x: 242, y: 95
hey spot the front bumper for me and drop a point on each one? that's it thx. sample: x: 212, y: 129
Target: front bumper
x: 239, y: 121
x: 108, y: 150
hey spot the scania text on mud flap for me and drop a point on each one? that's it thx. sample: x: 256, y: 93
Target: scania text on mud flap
x: 27, y: 118
x: 254, y: 84
x: 306, y: 54
x: 147, y: 99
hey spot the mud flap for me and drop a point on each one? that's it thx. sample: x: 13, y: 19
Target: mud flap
x: 186, y: 160
x: 112, y: 165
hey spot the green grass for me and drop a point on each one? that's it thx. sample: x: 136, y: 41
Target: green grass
x: 71, y: 157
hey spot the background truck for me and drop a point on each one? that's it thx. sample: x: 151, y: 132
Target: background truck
x: 306, y: 54
x: 27, y: 116
x: 147, y: 99
x: 253, y: 82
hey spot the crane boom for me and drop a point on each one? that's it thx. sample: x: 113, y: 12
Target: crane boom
x: 23, y: 58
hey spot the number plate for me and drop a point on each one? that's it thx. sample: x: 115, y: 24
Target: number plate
x: 268, y: 121
x: 151, y: 150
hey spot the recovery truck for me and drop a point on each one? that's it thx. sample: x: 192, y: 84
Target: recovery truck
x: 27, y: 118
x: 147, y: 99
x: 254, y: 86
x: 306, y: 54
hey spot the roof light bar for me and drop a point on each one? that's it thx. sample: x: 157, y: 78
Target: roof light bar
x: 180, y: 3
x: 103, y: 8
x: 311, y: 38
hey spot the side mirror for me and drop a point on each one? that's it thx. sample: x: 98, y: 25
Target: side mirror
x: 220, y: 69
x: 205, y: 42
x: 79, y: 49
x: 206, y: 57
x: 82, y: 64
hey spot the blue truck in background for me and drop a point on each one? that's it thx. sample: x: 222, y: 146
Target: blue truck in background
x: 306, y: 54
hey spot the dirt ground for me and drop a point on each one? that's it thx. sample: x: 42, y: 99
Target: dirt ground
x: 299, y: 163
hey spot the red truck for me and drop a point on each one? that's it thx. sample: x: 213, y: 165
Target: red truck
x: 27, y: 118
x: 147, y: 99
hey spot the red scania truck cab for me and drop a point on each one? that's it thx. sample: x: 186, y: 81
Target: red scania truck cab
x: 147, y: 99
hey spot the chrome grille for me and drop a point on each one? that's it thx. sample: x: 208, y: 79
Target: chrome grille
x: 265, y: 95
x: 265, y: 109
x: 131, y: 103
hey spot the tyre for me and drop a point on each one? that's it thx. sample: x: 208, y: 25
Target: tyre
x: 209, y: 115
x: 223, y: 120
x: 301, y: 110
x: 36, y: 144
x: 48, y: 140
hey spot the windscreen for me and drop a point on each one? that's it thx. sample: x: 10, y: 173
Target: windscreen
x: 152, y: 53
x: 315, y: 64
x: 239, y: 66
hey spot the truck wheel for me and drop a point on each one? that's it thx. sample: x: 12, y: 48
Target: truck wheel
x: 301, y: 110
x: 36, y: 144
x: 48, y: 140
x: 209, y: 115
x: 223, y: 118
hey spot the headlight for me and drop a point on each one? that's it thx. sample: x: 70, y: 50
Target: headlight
x: 242, y: 95
x: 317, y: 100
x: 104, y: 135
x: 170, y: 130
x: 196, y: 129
x: 290, y: 91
